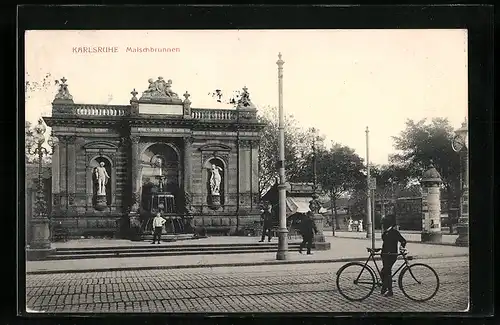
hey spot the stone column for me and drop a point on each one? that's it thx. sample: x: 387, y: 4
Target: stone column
x: 71, y: 165
x: 55, y: 179
x: 188, y: 170
x: 63, y: 169
x: 135, y: 195
x: 245, y: 165
x: 431, y: 206
x: 255, y: 176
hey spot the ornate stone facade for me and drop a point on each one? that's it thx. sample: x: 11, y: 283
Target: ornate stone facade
x: 126, y: 138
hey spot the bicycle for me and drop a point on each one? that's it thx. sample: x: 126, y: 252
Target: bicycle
x: 407, y: 280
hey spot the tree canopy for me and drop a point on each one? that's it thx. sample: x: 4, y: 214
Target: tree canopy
x: 296, y: 149
x: 424, y: 143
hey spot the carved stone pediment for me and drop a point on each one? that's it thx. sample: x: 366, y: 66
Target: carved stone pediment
x: 100, y: 145
x: 215, y: 147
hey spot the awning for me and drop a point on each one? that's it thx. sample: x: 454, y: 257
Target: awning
x: 297, y: 204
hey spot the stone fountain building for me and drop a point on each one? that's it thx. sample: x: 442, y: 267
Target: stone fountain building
x: 158, y: 153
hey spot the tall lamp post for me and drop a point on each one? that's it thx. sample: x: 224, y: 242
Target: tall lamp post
x: 39, y: 244
x: 282, y: 253
x: 369, y: 230
x: 315, y: 171
x: 460, y: 144
x: 314, y: 205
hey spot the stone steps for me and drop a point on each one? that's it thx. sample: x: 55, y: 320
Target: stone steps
x: 165, y: 250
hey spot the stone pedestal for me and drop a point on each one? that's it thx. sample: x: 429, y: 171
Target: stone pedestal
x: 282, y: 253
x: 463, y: 235
x: 39, y: 247
x: 319, y: 242
x: 134, y: 226
x: 215, y: 204
x: 431, y: 237
x: 101, y: 203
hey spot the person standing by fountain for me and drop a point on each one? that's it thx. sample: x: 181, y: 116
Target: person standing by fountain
x: 158, y: 223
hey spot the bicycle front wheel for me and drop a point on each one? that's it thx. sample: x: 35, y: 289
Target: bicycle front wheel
x: 419, y: 282
x: 355, y: 281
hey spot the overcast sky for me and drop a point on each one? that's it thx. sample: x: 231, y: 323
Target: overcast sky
x: 339, y: 81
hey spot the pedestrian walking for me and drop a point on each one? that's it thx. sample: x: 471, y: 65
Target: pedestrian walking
x: 308, y: 230
x: 267, y: 222
x: 390, y: 237
x: 158, y: 223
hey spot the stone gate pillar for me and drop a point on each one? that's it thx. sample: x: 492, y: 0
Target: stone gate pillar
x: 134, y: 143
x: 188, y: 141
x: 134, y: 217
x: 431, y: 206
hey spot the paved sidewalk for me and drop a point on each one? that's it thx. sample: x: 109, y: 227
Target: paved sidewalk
x: 342, y: 249
x: 410, y: 236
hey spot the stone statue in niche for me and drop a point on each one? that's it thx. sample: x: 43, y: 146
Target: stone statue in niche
x: 101, y: 175
x: 215, y: 179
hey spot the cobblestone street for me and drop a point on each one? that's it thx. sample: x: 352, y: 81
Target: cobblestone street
x: 270, y: 288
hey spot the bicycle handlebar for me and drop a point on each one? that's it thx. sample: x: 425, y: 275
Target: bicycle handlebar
x: 402, y: 251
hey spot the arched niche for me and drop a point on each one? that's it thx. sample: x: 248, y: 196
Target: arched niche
x: 207, y: 174
x: 149, y: 171
x: 92, y: 180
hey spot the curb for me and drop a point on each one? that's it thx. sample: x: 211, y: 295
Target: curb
x: 196, y: 266
x: 408, y: 241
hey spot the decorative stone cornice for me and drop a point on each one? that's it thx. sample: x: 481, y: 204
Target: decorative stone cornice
x: 76, y: 121
x: 255, y: 143
x: 188, y: 139
x: 67, y: 139
x: 244, y: 143
x: 124, y: 141
x: 134, y: 138
x: 217, y: 147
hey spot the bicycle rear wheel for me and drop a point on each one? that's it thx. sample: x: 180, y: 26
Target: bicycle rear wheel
x: 419, y: 282
x: 355, y: 281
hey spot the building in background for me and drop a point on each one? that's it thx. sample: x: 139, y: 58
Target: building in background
x: 115, y: 165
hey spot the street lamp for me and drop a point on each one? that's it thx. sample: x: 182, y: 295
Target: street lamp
x: 282, y: 253
x: 314, y: 205
x: 315, y: 174
x: 460, y: 144
x: 39, y: 243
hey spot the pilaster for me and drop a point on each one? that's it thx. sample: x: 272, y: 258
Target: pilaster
x: 56, y: 186
x: 136, y: 195
x: 188, y: 170
x: 71, y: 165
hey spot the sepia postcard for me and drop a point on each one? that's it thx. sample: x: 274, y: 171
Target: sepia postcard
x: 246, y: 171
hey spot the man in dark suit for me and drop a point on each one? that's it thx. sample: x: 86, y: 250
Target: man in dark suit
x: 267, y: 222
x: 308, y: 230
x: 391, y: 237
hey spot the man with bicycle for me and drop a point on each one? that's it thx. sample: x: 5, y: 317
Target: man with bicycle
x: 390, y: 237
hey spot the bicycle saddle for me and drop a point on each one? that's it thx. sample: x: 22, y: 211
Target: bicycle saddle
x: 373, y: 250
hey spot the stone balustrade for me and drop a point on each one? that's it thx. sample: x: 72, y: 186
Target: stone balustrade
x: 118, y: 111
x: 101, y: 110
x: 213, y: 114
